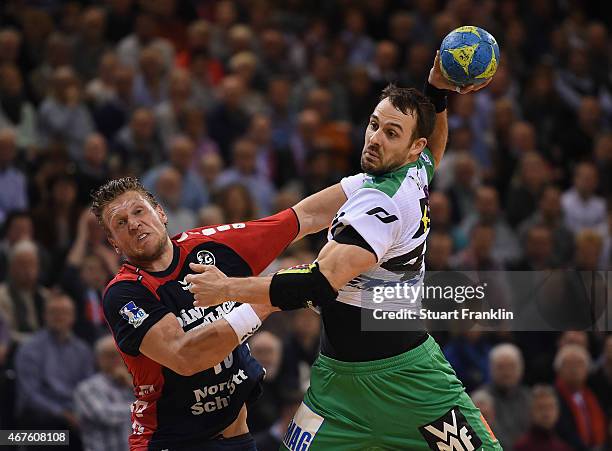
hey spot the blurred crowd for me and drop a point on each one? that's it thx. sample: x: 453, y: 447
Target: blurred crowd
x: 231, y: 110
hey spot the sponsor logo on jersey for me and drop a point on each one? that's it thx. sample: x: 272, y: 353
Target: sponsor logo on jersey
x: 211, y: 398
x: 450, y: 432
x: 205, y: 258
x: 133, y: 314
x: 383, y: 215
x: 302, y: 429
x: 211, y: 231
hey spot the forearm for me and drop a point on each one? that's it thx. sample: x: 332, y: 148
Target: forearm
x: 249, y: 290
x: 439, y: 137
x: 204, y: 347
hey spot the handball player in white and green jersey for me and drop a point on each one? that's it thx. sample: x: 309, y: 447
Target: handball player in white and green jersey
x: 373, y: 390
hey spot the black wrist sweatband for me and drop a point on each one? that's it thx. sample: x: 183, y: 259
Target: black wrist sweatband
x: 436, y: 96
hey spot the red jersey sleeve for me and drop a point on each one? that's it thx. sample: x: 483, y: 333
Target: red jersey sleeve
x: 257, y: 242
x: 262, y: 240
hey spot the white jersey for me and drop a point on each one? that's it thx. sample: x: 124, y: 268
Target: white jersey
x: 391, y: 213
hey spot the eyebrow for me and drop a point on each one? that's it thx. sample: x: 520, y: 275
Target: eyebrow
x: 392, y: 124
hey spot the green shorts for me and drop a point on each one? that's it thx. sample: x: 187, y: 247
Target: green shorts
x: 412, y: 401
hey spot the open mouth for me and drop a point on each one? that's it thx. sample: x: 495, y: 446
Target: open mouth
x: 142, y: 236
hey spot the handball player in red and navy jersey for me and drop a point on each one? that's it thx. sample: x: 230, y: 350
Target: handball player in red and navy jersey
x: 192, y: 375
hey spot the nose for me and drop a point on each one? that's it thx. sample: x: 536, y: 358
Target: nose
x: 376, y: 137
x: 133, y: 223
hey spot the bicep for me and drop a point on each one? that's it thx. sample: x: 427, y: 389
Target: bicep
x: 317, y: 211
x: 333, y: 260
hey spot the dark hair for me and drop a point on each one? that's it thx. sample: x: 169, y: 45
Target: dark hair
x: 112, y: 190
x: 408, y: 100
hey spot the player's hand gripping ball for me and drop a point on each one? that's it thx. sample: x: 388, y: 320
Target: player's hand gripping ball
x: 469, y: 55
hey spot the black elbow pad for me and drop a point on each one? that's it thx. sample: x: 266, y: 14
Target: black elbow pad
x: 301, y: 286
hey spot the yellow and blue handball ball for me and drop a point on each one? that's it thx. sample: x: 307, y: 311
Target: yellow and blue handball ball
x: 469, y: 55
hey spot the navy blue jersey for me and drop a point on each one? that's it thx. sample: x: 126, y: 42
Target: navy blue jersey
x: 172, y: 410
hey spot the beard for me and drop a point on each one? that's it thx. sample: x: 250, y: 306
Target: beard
x: 143, y: 257
x: 378, y: 168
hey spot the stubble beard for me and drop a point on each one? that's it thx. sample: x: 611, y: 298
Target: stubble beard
x: 138, y: 260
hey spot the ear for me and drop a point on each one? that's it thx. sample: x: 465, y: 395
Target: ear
x: 417, y: 146
x: 112, y: 243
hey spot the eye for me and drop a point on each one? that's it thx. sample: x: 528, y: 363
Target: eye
x: 138, y: 211
x: 373, y: 125
x: 121, y: 222
x: 391, y: 134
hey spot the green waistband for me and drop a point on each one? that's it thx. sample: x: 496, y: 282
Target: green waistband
x: 400, y: 360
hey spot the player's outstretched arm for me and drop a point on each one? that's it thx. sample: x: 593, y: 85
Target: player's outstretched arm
x: 289, y: 289
x: 317, y: 211
x: 437, y: 91
x: 188, y: 353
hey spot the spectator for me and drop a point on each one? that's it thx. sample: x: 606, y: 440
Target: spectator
x: 440, y: 208
x: 56, y: 218
x: 538, y: 254
x: 271, y: 439
x: 63, y: 116
x: 93, y: 170
x: 525, y: 193
x: 510, y: 397
x: 244, y: 65
x: 58, y: 53
x: 301, y: 348
x: 577, y: 141
x: 21, y: 297
x: 479, y: 253
x: 282, y: 121
x: 544, y: 412
x: 550, y: 215
x: 588, y: 250
x: 90, y: 44
x: 101, y: 89
x: 193, y: 191
x: 439, y: 251
x: 468, y: 354
x: 150, y: 83
x: 192, y: 123
x: 601, y: 379
x: 275, y: 163
x: 18, y: 226
x: 88, y: 268
x: 13, y: 187
x: 102, y: 401
x: 138, y: 145
x: 15, y: 110
x: 582, y: 423
x: 267, y: 348
x: 505, y: 245
x: 170, y: 112
x: 582, y: 208
x: 210, y: 215
x: 49, y: 366
x: 228, y: 119
x: 113, y: 113
x: 237, y: 203
x: 462, y: 193
x: 303, y: 141
x: 209, y: 168
x: 485, y: 402
x: 321, y: 77
x: 145, y: 34
x: 244, y: 170
x: 168, y: 188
